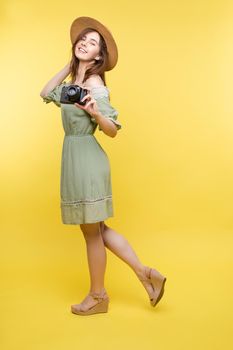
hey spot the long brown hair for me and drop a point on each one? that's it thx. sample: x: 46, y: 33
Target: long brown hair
x: 98, y: 67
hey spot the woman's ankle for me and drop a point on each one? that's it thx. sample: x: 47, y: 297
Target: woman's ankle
x: 141, y: 271
x: 97, y: 290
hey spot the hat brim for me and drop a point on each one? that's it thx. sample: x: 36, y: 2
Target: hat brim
x: 81, y: 23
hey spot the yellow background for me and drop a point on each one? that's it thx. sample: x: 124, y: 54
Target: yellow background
x: 171, y: 169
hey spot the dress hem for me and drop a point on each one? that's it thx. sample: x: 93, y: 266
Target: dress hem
x: 74, y: 213
x: 92, y: 222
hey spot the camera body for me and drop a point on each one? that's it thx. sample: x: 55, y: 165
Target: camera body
x: 73, y: 93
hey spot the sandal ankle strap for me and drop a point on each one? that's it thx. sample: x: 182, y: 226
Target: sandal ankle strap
x: 147, y: 275
x: 98, y: 296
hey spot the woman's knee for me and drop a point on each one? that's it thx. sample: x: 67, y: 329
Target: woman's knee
x: 102, y: 226
x: 90, y: 231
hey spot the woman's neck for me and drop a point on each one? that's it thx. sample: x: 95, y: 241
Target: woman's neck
x: 82, y: 68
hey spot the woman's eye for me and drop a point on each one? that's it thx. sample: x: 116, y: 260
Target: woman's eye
x: 84, y: 38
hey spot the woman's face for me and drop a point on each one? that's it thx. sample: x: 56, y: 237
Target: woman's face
x: 87, y: 48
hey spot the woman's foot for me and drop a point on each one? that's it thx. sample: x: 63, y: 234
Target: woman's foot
x: 153, y: 281
x: 143, y: 276
x: 89, y: 302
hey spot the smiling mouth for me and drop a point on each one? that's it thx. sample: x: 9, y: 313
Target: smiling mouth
x: 82, y: 50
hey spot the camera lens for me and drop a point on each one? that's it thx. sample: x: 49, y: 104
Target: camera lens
x: 74, y: 93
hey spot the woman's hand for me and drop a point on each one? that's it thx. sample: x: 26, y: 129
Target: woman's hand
x: 90, y: 107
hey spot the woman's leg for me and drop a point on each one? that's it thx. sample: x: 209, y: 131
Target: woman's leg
x: 97, y: 258
x: 121, y: 247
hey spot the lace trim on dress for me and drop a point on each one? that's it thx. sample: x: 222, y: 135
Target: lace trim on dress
x: 99, y: 91
x: 85, y: 201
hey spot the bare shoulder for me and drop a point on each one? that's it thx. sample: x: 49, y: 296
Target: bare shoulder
x: 94, y: 81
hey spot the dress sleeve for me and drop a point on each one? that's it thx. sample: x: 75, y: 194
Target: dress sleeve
x: 54, y: 95
x: 101, y: 95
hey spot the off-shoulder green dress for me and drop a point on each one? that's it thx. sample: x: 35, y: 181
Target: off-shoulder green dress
x: 85, y: 182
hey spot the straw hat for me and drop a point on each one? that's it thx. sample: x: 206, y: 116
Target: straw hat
x: 81, y: 23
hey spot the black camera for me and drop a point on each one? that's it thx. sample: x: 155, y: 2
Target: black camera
x: 72, y: 94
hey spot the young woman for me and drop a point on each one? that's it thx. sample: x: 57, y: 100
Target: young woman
x: 85, y: 187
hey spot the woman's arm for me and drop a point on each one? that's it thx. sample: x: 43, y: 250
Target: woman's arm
x: 56, y: 80
x: 106, y: 125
